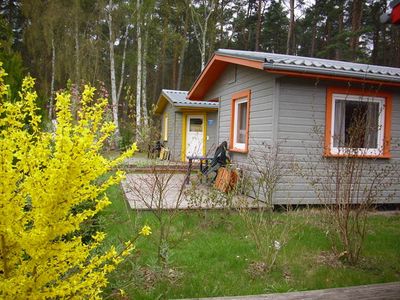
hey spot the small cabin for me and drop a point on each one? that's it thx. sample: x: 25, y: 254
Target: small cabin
x: 188, y: 128
x: 276, y: 99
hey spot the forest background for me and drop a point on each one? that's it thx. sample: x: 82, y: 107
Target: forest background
x: 130, y: 50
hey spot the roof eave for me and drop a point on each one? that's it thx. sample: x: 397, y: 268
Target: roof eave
x: 183, y: 105
x: 337, y: 74
x: 215, y: 66
x: 162, y: 101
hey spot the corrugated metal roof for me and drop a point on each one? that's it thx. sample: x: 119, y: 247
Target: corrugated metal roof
x: 178, y: 98
x: 317, y: 65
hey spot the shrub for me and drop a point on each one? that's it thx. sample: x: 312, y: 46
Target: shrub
x: 45, y: 179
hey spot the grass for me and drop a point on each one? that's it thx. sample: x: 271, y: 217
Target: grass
x: 210, y: 255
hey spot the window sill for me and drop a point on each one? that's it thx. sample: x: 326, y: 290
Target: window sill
x: 385, y: 156
x: 239, y: 150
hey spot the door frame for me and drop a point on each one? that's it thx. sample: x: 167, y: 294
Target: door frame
x: 185, y: 116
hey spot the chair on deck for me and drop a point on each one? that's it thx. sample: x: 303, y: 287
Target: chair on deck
x: 220, y: 159
x: 154, y: 150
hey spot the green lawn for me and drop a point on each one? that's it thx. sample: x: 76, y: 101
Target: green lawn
x: 210, y: 254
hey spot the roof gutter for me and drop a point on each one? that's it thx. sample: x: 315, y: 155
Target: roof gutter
x: 195, y: 105
x: 330, y: 72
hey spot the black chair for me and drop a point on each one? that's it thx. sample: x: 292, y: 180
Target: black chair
x: 154, y: 151
x: 220, y: 159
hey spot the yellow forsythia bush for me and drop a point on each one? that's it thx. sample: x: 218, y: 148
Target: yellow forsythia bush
x: 43, y: 177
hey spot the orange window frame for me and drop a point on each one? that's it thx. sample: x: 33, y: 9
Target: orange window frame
x: 358, y: 92
x: 246, y: 94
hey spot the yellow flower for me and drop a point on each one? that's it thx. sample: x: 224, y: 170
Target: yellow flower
x: 65, y: 165
x: 146, y: 230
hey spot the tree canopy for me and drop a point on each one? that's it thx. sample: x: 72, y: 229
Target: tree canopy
x: 136, y: 48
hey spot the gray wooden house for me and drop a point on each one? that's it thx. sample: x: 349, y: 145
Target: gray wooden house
x: 188, y: 128
x: 269, y: 98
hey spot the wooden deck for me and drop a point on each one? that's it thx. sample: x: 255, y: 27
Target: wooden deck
x: 386, y: 291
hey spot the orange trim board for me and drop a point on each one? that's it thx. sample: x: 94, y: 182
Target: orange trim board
x: 235, y: 97
x: 359, y: 92
x: 214, y: 68
x: 241, y: 61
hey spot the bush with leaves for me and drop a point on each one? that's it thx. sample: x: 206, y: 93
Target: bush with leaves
x: 349, y: 186
x: 269, y: 230
x: 44, y: 177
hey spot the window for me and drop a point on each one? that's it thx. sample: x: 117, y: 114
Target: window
x: 196, y: 125
x: 165, y: 132
x: 357, y: 123
x: 240, y: 121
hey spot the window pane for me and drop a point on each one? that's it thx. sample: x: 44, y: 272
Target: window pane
x: 372, y: 125
x: 242, y: 123
x: 356, y: 124
x: 196, y: 125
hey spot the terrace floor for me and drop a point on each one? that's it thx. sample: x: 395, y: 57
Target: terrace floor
x: 387, y: 291
x: 143, y: 190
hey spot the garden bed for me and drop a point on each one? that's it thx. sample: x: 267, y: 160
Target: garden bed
x: 210, y: 253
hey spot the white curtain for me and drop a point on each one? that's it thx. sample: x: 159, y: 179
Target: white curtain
x: 339, y: 125
x: 242, y: 123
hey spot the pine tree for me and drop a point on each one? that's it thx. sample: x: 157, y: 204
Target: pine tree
x: 276, y: 25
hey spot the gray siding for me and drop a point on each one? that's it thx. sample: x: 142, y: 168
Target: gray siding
x: 302, y: 108
x: 177, y: 132
x: 175, y: 121
x: 236, y: 79
x: 286, y: 111
x: 174, y: 131
x: 170, y: 141
x: 212, y: 128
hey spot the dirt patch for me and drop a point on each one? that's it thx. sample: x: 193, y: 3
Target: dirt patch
x: 330, y: 259
x: 257, y: 269
x: 287, y: 275
x: 150, y: 276
x: 388, y: 213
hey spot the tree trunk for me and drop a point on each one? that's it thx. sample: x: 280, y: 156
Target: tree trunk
x: 77, y: 57
x: 258, y: 29
x: 338, y: 51
x: 175, y: 66
x: 378, y: 33
x: 313, y: 38
x: 181, y: 66
x: 221, y: 24
x: 163, y: 51
x: 355, y: 26
x: 203, y: 50
x: 139, y: 70
x: 289, y: 43
x: 183, y: 50
x: 53, y: 71
x: 144, y: 79
x: 121, y: 81
x: 395, y: 47
x: 202, y: 36
x: 75, y: 92
x: 112, y: 72
x: 328, y: 29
